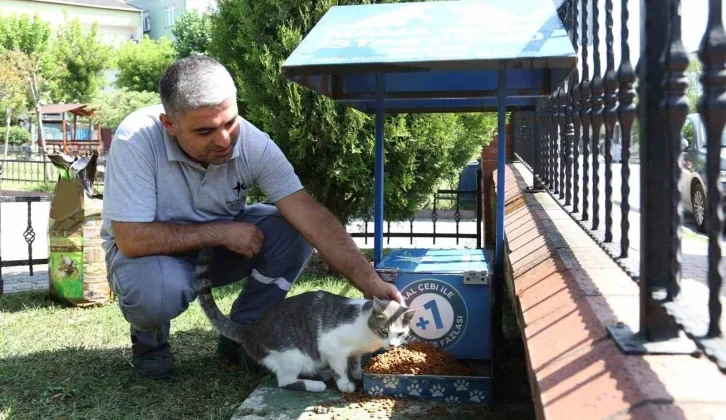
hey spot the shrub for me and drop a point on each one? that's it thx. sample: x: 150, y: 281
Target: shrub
x: 331, y: 146
x: 18, y: 136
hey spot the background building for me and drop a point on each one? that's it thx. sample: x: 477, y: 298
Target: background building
x: 160, y: 15
x: 117, y: 21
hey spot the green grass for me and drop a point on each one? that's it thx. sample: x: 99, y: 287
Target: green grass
x: 28, y: 186
x: 72, y: 363
x: 690, y: 234
x: 63, y: 362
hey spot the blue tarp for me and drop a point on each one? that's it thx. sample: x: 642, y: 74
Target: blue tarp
x: 439, y: 56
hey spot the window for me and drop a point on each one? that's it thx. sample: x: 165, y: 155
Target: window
x: 169, y: 15
x: 147, y: 22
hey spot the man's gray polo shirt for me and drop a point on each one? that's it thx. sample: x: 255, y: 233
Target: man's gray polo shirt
x: 149, y: 178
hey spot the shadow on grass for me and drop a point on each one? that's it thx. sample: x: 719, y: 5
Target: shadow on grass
x: 40, y: 299
x: 87, y: 382
x: 22, y: 301
x: 99, y: 383
x: 316, y: 276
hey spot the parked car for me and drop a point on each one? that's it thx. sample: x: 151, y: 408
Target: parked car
x: 693, y: 178
x: 616, y: 146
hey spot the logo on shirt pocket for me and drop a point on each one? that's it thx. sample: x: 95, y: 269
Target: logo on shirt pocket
x: 240, y: 187
x: 240, y: 190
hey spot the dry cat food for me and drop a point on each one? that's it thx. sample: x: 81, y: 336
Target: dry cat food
x: 417, y: 359
x: 358, y: 405
x: 376, y: 407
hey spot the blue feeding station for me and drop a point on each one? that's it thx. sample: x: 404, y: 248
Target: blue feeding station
x: 429, y: 57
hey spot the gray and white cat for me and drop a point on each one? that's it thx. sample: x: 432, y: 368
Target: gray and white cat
x: 304, y: 334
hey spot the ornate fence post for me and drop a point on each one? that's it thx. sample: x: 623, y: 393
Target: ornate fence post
x: 544, y: 142
x: 611, y: 101
x: 596, y: 115
x: 554, y: 137
x: 575, y: 97
x: 674, y: 109
x: 626, y: 116
x: 712, y: 107
x: 585, y: 116
x: 561, y: 121
x: 537, y: 151
x: 661, y: 51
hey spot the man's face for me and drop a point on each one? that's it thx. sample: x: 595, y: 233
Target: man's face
x: 207, y: 135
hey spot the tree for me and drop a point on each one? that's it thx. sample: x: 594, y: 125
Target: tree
x: 694, y: 90
x: 330, y: 145
x: 112, y: 107
x: 84, y: 59
x: 26, y: 43
x: 21, y: 33
x: 192, y: 33
x: 12, y: 94
x: 141, y: 65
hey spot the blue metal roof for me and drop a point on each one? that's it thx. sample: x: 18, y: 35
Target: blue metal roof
x: 438, y: 56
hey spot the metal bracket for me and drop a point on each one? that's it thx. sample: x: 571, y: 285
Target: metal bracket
x: 476, y: 277
x: 534, y: 189
x: 631, y: 342
x: 388, y: 274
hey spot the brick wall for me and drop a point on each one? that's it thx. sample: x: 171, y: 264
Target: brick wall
x: 565, y: 291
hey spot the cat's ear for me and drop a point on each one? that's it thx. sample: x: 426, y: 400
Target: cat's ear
x: 379, y: 307
x: 408, y: 316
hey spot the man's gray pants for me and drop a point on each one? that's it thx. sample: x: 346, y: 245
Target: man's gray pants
x: 153, y: 290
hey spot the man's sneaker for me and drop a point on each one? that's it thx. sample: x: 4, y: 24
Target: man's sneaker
x: 152, y: 362
x: 232, y: 352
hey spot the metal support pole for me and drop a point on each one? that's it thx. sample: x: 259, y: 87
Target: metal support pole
x: 501, y: 159
x: 478, y: 207
x: 378, y: 184
x: 498, y: 283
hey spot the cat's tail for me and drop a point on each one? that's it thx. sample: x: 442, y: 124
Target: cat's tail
x: 203, y: 285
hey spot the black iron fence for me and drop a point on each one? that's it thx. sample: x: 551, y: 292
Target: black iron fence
x: 34, y: 168
x: 28, y: 171
x: 458, y: 197
x: 595, y: 110
x: 28, y: 236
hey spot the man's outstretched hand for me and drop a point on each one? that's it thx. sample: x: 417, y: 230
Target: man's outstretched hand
x: 383, y: 290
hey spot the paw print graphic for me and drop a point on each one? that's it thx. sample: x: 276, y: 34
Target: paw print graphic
x: 390, y: 382
x: 376, y: 391
x: 461, y: 385
x: 414, y: 389
x: 476, y: 396
x: 437, y: 391
x: 452, y: 399
x: 400, y: 396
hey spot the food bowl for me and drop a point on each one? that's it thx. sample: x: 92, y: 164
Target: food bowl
x: 422, y: 371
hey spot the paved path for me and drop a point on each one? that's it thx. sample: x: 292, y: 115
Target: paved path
x: 14, y: 222
x: 694, y: 245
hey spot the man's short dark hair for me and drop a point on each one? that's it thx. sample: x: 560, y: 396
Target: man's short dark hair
x: 195, y: 82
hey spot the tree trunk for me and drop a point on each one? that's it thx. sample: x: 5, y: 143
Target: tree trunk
x: 8, y: 117
x: 41, y: 139
x: 41, y: 133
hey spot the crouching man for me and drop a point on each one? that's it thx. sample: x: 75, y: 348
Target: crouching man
x: 177, y: 178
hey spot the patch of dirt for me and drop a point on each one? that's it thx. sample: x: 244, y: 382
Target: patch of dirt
x: 318, y: 268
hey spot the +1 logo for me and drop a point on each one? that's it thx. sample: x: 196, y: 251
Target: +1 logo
x: 442, y: 313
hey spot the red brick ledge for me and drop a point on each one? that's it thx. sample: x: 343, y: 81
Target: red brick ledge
x: 565, y: 291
